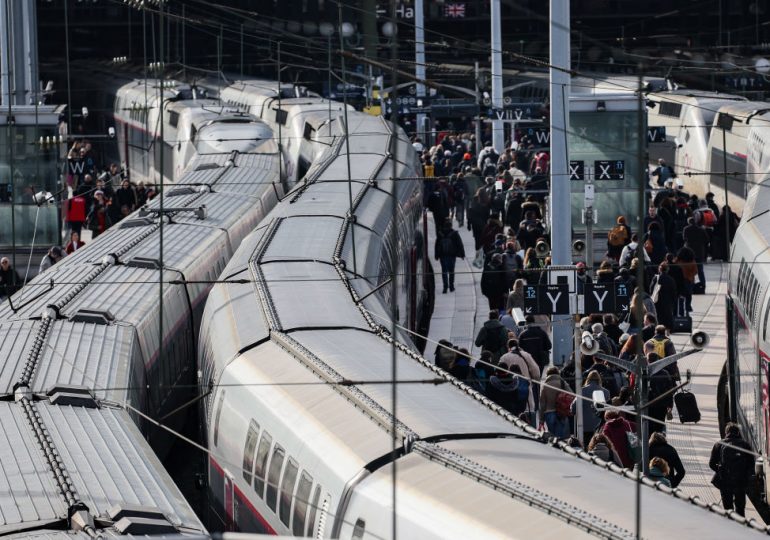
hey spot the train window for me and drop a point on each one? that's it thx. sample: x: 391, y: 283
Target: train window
x: 248, y: 451
x: 261, y: 464
x: 358, y: 529
x: 173, y: 118
x: 218, y: 415
x: 668, y: 108
x: 767, y: 315
x: 281, y: 116
x: 301, y: 502
x: 274, y: 476
x: 313, y: 511
x: 287, y: 490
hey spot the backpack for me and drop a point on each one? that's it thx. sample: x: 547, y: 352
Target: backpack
x: 458, y: 192
x: 708, y: 218
x: 732, y: 466
x: 563, y: 405
x: 522, y: 389
x: 660, y: 346
x: 618, y: 236
x: 512, y: 264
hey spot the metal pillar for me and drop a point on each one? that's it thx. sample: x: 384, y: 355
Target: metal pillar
x: 18, y: 31
x: 478, y: 108
x: 419, y: 58
x: 560, y: 211
x: 498, y: 135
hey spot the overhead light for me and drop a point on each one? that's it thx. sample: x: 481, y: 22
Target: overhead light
x: 347, y: 29
x: 326, y: 29
x: 389, y: 29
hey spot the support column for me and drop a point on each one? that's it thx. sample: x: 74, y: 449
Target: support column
x: 18, y: 27
x: 498, y: 136
x: 560, y: 211
x: 419, y: 58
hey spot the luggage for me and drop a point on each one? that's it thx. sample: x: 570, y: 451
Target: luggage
x: 687, y: 407
x: 682, y: 319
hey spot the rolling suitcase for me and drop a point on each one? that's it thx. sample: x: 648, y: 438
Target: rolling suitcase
x: 687, y: 407
x: 682, y: 319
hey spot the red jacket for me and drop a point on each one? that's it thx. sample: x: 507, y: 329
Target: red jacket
x: 616, y: 430
x: 76, y: 210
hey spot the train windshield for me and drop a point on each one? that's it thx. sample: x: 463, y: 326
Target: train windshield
x: 228, y: 136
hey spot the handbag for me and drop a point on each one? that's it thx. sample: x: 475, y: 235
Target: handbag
x: 634, y: 446
x: 656, y: 291
x: 625, y: 324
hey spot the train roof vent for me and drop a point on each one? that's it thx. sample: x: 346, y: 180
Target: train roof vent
x: 176, y: 192
x: 136, y: 222
x: 93, y: 316
x: 207, y: 166
x: 74, y: 396
x: 144, y: 262
x: 141, y: 525
x: 120, y: 511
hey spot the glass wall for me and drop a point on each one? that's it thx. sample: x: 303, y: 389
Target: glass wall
x: 27, y: 167
x: 606, y: 144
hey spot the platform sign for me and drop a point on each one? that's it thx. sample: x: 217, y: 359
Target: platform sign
x: 606, y: 298
x: 547, y: 299
x: 656, y: 134
x: 609, y: 169
x: 622, y: 297
x: 576, y: 170
x: 599, y: 298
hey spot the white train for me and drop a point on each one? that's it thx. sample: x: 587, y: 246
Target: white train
x: 743, y: 387
x: 301, y: 422
x: 744, y: 129
x: 80, y: 343
x: 192, y: 124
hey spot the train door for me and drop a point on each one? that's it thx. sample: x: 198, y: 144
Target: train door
x: 229, y: 502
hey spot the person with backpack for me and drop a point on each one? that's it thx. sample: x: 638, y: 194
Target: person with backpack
x: 662, y: 346
x: 493, y: 283
x: 449, y: 246
x: 732, y: 460
x: 512, y: 263
x: 509, y: 389
x: 591, y: 418
x: 618, y: 238
x: 620, y: 432
x: 663, y: 172
x: 493, y: 336
x: 555, y: 399
x: 664, y: 294
x: 528, y: 368
x: 536, y: 342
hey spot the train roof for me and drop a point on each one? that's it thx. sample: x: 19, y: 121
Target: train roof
x: 105, y: 459
x: 755, y: 112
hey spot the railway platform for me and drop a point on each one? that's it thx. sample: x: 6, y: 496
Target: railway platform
x: 458, y: 316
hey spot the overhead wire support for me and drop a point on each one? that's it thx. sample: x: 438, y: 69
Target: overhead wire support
x: 161, y: 196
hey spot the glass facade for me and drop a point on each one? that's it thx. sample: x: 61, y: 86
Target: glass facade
x: 27, y: 167
x: 606, y: 144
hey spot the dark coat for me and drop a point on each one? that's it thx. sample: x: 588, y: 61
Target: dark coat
x: 666, y: 304
x: 744, y: 467
x: 457, y: 250
x: 696, y: 238
x: 493, y: 282
x: 10, y: 281
x: 536, y: 342
x: 493, y: 337
x: 666, y: 451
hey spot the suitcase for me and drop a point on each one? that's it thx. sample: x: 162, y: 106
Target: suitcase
x: 687, y: 407
x: 682, y: 319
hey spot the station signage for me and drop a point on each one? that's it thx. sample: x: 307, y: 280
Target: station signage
x: 546, y: 299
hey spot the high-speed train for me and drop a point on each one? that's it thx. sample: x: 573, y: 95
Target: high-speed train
x: 739, y: 138
x: 190, y: 121
x: 743, y: 386
x: 324, y: 421
x: 85, y: 369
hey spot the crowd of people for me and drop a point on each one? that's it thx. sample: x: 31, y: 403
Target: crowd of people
x: 500, y: 199
x: 96, y: 198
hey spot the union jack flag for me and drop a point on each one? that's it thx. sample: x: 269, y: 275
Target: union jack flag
x: 454, y: 11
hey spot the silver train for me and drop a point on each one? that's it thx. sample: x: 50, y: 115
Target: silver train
x: 81, y: 348
x: 301, y: 424
x: 743, y: 387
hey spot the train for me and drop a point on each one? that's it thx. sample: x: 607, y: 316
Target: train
x: 86, y: 371
x: 742, y: 394
x: 324, y: 420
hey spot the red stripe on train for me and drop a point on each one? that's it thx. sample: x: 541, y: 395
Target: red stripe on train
x: 244, y: 499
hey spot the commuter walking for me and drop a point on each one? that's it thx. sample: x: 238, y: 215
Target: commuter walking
x: 449, y: 246
x: 493, y: 336
x: 555, y: 420
x: 591, y: 418
x: 10, y: 281
x: 733, y: 463
x: 660, y: 448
